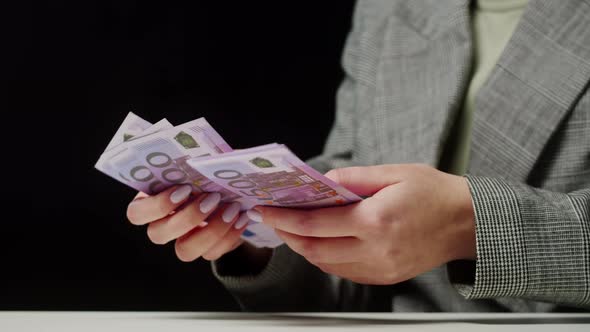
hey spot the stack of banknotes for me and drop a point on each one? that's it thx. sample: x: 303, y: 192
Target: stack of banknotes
x: 152, y: 157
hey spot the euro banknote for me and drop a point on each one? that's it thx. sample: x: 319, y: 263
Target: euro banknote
x: 132, y: 126
x: 271, y: 176
x: 151, y: 158
x: 105, y: 162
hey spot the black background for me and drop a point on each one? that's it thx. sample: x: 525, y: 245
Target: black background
x: 260, y: 71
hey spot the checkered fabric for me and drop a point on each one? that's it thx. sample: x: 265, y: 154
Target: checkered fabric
x: 408, y: 64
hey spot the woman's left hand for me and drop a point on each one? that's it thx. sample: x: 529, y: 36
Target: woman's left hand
x: 416, y: 219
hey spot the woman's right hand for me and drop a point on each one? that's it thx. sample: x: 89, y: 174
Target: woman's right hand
x: 201, y: 225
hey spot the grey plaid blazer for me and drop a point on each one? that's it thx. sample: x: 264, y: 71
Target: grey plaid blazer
x: 408, y: 67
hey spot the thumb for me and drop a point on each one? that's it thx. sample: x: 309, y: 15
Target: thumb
x: 365, y: 181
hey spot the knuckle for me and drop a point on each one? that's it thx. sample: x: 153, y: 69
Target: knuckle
x: 233, y: 239
x: 391, y: 256
x: 163, y: 207
x: 341, y: 175
x: 210, y: 236
x: 363, y: 280
x: 183, y: 253
x: 190, y: 216
x: 270, y: 216
x: 218, y: 250
x: 391, y: 277
x: 376, y: 218
x: 424, y: 166
x: 155, y: 236
x: 387, y: 255
x: 211, y: 256
x: 309, y: 250
x: 334, y: 174
x: 421, y: 167
x: 215, y: 232
x: 325, y: 268
x: 304, y: 223
x: 381, y: 216
x: 133, y: 214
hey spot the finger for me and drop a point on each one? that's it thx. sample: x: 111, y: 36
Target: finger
x: 326, y: 222
x: 193, y: 214
x: 198, y: 241
x: 367, y: 180
x: 236, y: 245
x: 323, y: 250
x: 145, y: 209
x: 229, y: 242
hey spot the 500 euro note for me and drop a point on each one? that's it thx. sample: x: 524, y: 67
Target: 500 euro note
x: 272, y: 176
x: 131, y: 126
x: 104, y: 163
x: 155, y: 162
x: 152, y: 159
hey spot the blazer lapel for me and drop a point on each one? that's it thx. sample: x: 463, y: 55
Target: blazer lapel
x: 539, y: 77
x: 421, y: 77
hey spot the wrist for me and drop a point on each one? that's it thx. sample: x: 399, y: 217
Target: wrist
x: 463, y: 240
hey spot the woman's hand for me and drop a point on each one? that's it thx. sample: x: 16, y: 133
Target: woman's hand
x: 416, y: 219
x: 201, y: 226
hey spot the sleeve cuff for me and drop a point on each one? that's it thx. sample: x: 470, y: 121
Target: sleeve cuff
x: 282, y: 263
x: 500, y: 267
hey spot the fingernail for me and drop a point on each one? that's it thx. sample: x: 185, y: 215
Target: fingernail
x: 180, y: 194
x: 254, y: 215
x: 231, y: 212
x: 210, y: 202
x: 242, y: 220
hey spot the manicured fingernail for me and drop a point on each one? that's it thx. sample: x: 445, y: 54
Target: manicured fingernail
x: 180, y: 194
x: 210, y: 202
x: 242, y: 220
x: 231, y: 212
x: 254, y: 215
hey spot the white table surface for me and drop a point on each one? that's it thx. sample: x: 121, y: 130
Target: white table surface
x: 244, y: 322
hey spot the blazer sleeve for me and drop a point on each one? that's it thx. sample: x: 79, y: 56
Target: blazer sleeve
x: 289, y: 282
x: 532, y: 244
